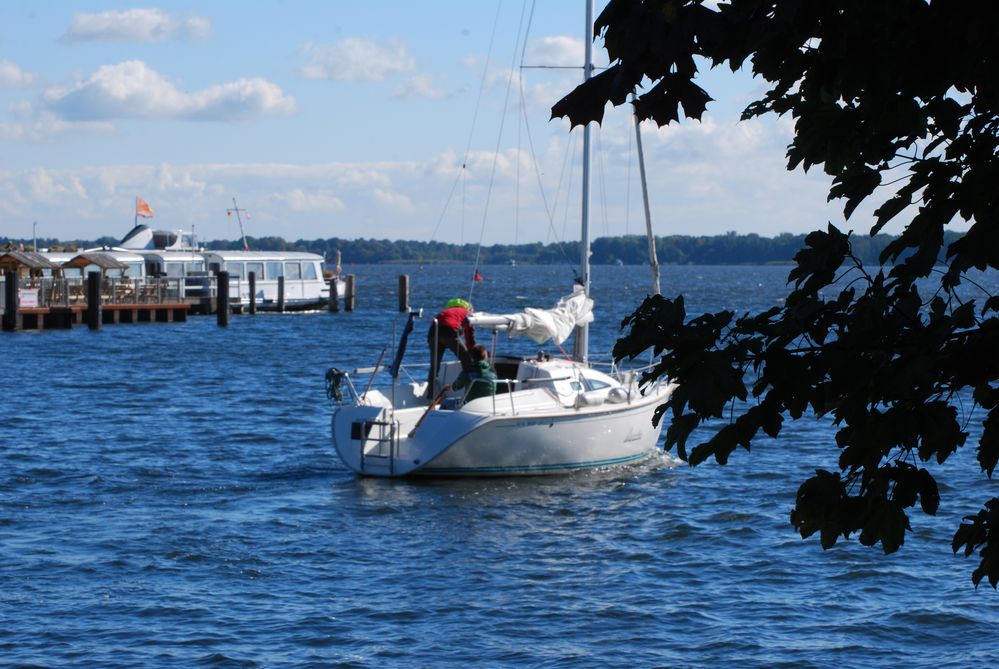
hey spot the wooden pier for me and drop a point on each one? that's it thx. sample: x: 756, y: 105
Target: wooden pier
x: 33, y: 303
x: 93, y: 303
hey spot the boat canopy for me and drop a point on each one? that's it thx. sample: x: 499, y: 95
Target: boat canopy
x: 542, y: 324
x: 29, y: 259
x: 103, y: 260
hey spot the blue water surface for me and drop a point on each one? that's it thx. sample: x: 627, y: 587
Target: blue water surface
x: 169, y: 497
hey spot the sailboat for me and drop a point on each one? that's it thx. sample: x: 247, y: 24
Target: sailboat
x: 548, y: 415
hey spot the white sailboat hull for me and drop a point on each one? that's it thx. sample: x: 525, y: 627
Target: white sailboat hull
x: 498, y: 436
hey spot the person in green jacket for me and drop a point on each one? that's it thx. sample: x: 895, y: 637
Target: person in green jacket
x: 480, y: 379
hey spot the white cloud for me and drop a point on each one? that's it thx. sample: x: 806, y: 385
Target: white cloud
x: 179, y: 181
x: 32, y: 125
x: 393, y: 200
x: 12, y: 76
x: 420, y: 86
x: 133, y: 90
x: 556, y: 51
x: 356, y: 59
x: 44, y: 185
x: 135, y: 25
x: 299, y: 200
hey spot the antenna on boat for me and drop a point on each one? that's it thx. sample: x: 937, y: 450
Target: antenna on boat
x: 236, y: 210
x: 581, y: 344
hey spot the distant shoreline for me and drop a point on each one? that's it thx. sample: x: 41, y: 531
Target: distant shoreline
x: 727, y: 249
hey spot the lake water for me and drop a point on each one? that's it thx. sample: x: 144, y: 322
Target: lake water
x: 169, y: 497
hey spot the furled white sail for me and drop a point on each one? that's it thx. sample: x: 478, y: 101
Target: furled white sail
x: 542, y: 324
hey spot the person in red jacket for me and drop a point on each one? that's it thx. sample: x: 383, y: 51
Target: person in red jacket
x: 451, y: 325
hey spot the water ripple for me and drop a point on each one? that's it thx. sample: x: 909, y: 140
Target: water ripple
x: 164, y: 515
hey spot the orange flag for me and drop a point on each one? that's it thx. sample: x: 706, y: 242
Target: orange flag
x: 142, y: 208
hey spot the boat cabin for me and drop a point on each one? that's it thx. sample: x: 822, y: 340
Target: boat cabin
x: 174, y: 263
x: 304, y: 284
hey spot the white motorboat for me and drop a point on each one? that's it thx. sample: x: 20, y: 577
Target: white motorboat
x: 548, y: 415
x: 175, y: 253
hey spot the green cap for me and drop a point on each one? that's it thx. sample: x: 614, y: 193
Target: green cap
x: 458, y: 302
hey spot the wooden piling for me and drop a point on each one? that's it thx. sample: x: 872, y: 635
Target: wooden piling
x: 348, y: 294
x: 280, y: 300
x: 10, y: 315
x: 403, y: 293
x: 334, y: 304
x: 94, y: 313
x: 222, y: 308
x: 253, y: 292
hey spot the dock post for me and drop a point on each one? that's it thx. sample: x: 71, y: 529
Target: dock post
x: 280, y: 301
x: 222, y: 308
x: 334, y: 305
x: 10, y: 300
x: 403, y: 293
x: 253, y: 292
x: 348, y: 294
x: 94, y: 312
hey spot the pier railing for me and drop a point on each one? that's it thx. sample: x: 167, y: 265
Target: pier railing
x: 69, y: 291
x: 48, y: 292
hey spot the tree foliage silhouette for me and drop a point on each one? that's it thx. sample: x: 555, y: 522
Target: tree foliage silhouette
x: 897, y: 101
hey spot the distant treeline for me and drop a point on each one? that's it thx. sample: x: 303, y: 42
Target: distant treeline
x: 727, y: 249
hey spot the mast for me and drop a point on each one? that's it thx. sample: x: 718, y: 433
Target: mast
x: 582, y: 344
x: 237, y: 210
x: 653, y: 259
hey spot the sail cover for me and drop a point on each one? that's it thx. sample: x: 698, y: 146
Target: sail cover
x: 542, y: 324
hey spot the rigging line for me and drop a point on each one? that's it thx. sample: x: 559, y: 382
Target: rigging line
x: 549, y: 211
x: 482, y: 84
x: 520, y: 126
x: 447, y: 202
x: 603, y: 180
x: 496, y: 152
x: 627, y: 197
x: 516, y: 196
x: 568, y: 193
x: 464, y: 193
x: 475, y: 117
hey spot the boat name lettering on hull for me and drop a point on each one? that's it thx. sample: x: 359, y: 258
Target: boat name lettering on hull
x: 529, y: 423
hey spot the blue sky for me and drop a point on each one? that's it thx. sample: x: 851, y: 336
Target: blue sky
x: 353, y: 119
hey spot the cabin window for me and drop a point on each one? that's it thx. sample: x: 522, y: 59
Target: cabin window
x: 576, y: 385
x: 174, y: 269
x: 293, y: 271
x: 596, y: 384
x: 309, y: 271
x: 134, y: 270
x: 235, y: 269
x: 194, y: 266
x: 275, y: 268
x: 257, y: 268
